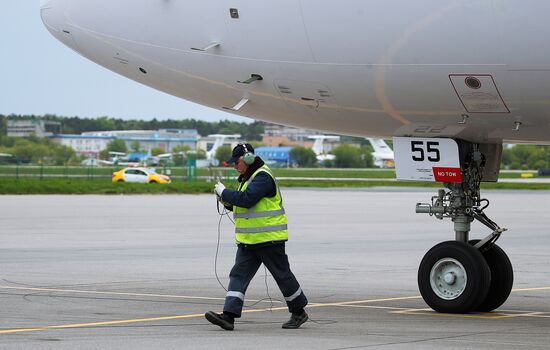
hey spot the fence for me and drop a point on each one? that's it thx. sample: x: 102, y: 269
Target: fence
x: 93, y: 172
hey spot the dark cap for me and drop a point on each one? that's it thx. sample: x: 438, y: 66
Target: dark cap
x: 240, y: 151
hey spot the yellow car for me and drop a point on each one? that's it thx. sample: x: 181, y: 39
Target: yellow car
x: 143, y: 175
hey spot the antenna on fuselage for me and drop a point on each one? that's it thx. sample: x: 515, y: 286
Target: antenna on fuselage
x: 206, y: 48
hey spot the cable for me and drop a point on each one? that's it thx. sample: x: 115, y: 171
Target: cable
x: 267, y: 291
x: 486, y: 205
x: 321, y: 322
x: 218, y: 248
x: 222, y: 213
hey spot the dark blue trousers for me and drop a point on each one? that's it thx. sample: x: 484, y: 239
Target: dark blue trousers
x: 247, y: 262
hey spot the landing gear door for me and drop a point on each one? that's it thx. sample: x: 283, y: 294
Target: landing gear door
x: 427, y: 159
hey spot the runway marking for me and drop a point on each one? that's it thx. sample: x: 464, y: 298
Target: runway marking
x: 164, y: 318
x: 530, y: 289
x: 92, y: 324
x: 430, y: 312
x: 531, y: 314
x: 121, y: 293
x: 375, y: 307
x: 343, y: 303
x: 116, y: 322
x: 57, y: 290
x: 353, y: 303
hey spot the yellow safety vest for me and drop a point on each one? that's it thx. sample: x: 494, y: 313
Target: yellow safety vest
x: 265, y: 221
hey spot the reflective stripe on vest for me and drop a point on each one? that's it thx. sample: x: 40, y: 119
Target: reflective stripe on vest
x: 262, y: 229
x: 265, y: 221
x: 259, y: 214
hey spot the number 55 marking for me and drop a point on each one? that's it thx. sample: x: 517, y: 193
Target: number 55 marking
x: 431, y: 148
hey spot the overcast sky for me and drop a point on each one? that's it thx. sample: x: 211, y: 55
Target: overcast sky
x: 39, y: 75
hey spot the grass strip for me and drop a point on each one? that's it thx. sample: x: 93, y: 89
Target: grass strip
x: 97, y: 186
x: 104, y: 186
x: 90, y: 172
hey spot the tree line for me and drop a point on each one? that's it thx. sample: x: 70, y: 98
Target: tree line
x: 34, y: 150
x: 524, y: 157
x: 77, y: 125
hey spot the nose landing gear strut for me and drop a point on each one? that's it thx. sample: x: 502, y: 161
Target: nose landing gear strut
x: 465, y: 275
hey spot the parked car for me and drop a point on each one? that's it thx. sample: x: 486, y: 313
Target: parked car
x: 144, y: 175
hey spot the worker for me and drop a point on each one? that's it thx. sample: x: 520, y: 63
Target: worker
x: 261, y: 232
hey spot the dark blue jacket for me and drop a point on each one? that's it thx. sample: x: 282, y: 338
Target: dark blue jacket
x: 262, y: 185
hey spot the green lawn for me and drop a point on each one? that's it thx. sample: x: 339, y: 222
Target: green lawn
x: 104, y: 186
x: 97, y: 186
x: 91, y: 172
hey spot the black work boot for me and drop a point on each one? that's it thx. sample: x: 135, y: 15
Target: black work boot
x: 223, y: 320
x: 296, y: 320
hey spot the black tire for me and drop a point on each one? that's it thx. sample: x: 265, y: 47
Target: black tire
x: 119, y: 181
x: 502, y: 278
x: 468, y: 291
x: 152, y: 182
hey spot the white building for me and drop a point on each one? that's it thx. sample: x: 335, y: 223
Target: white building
x: 91, y: 143
x: 84, y: 144
x: 280, y: 135
x: 25, y: 128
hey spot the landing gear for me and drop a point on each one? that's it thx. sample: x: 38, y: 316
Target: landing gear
x: 502, y: 277
x: 453, y: 277
x: 462, y: 276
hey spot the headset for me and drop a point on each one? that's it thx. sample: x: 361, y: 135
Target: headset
x: 248, y: 156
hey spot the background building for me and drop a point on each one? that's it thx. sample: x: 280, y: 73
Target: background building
x: 279, y: 135
x: 84, y: 145
x: 207, y: 143
x: 91, y: 143
x: 25, y: 128
x: 275, y: 156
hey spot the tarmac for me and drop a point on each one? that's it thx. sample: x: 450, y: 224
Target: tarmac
x: 138, y: 272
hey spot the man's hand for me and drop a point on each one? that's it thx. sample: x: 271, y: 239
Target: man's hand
x: 219, y: 189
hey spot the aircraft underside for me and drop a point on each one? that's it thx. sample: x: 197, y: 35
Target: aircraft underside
x: 466, y: 74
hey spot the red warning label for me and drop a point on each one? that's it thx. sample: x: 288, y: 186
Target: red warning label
x: 447, y: 174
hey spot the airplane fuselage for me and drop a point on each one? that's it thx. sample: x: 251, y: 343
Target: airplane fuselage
x: 451, y: 80
x: 473, y: 69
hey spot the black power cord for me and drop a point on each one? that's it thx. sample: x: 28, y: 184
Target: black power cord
x: 222, y: 213
x: 225, y: 212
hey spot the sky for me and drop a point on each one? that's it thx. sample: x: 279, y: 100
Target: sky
x: 39, y: 75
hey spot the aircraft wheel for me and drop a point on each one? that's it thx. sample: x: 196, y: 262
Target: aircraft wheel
x: 502, y: 278
x: 453, y: 277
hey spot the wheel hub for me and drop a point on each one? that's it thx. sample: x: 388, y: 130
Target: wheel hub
x: 448, y: 278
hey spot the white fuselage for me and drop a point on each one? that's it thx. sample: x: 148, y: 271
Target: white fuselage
x: 359, y: 67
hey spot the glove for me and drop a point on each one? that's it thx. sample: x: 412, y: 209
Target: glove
x: 219, y: 189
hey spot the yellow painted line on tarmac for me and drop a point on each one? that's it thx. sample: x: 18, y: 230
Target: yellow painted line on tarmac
x: 55, y: 290
x: 430, y: 312
x: 488, y: 317
x: 375, y: 307
x: 117, y: 322
x: 531, y: 314
x: 353, y: 303
x: 530, y: 289
x: 94, y: 324
x: 103, y: 323
x: 164, y: 318
x: 344, y: 303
